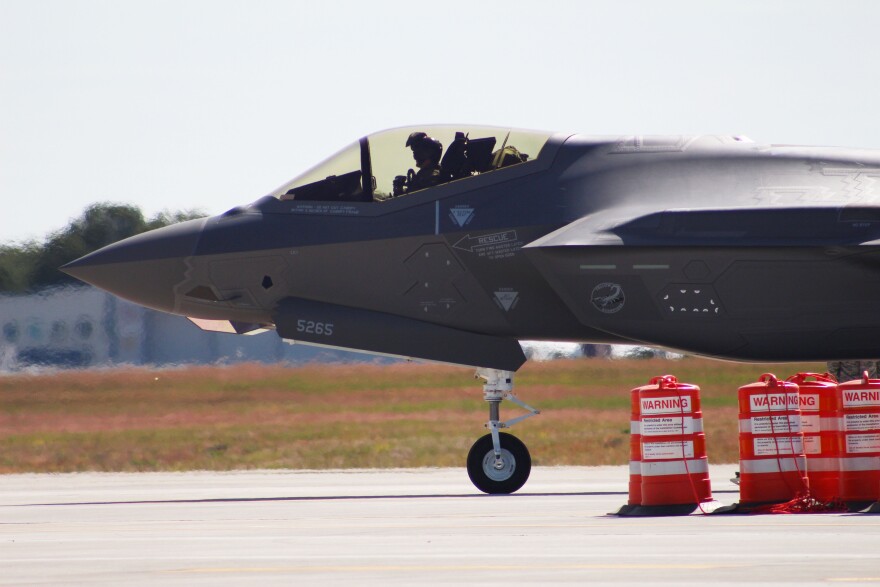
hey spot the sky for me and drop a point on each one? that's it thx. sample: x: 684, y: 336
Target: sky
x: 178, y: 105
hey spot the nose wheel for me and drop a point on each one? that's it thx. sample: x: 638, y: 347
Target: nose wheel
x: 500, y: 474
x: 499, y: 463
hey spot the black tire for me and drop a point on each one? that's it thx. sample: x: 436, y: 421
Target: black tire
x: 481, y: 460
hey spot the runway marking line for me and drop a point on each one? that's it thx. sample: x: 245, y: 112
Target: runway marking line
x: 439, y: 568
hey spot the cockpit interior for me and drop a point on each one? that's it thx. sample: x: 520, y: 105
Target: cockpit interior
x: 373, y: 168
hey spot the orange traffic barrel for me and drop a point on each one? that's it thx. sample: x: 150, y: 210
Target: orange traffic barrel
x: 819, y: 401
x: 773, y: 467
x: 860, y: 461
x: 635, y: 448
x: 675, y: 469
x: 635, y: 454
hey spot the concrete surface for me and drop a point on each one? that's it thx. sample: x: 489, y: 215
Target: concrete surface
x: 403, y: 527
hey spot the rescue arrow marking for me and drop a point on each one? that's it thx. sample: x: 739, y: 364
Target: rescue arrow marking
x: 471, y: 243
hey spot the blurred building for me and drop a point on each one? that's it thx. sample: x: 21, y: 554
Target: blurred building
x: 85, y: 327
x: 81, y: 326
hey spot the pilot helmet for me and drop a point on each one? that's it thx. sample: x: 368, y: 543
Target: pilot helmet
x: 424, y: 147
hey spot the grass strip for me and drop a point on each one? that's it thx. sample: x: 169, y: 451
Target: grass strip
x: 338, y: 416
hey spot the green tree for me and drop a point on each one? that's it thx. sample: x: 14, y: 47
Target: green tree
x: 35, y: 266
x: 16, y: 266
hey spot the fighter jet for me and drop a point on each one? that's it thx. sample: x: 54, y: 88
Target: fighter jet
x: 711, y: 245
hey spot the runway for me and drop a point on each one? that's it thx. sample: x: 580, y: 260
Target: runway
x: 403, y: 527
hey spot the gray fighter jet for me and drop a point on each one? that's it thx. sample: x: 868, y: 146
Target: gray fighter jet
x: 712, y: 245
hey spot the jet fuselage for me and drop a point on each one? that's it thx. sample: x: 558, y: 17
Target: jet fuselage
x: 710, y: 245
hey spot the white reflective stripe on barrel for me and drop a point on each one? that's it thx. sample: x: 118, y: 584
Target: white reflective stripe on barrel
x: 635, y: 468
x: 773, y: 465
x: 859, y: 463
x: 830, y: 424
x: 814, y: 465
x: 674, y: 467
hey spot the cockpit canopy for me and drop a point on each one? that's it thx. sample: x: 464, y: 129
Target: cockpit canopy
x: 379, y: 167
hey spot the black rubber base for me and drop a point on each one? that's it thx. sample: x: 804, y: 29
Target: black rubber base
x: 624, y: 510
x: 862, y: 507
x: 873, y: 508
x: 684, y: 509
x: 733, y: 508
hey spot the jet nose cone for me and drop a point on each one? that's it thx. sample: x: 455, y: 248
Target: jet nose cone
x: 144, y: 268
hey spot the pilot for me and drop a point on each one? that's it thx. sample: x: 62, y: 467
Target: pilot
x: 426, y: 152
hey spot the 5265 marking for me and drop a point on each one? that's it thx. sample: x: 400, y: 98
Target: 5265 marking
x: 312, y: 327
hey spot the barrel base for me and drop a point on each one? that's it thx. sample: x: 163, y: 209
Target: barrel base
x: 745, y: 507
x: 768, y: 488
x: 660, y: 490
x: 624, y: 510
x: 824, y: 485
x: 860, y: 486
x: 635, y: 488
x: 683, y: 509
x: 874, y: 508
x: 765, y: 508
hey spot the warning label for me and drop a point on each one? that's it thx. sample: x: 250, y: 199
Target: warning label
x: 809, y: 402
x: 861, y: 422
x: 667, y: 426
x: 667, y: 450
x: 812, y: 445
x: 781, y: 445
x: 666, y: 405
x: 776, y: 402
x: 858, y: 398
x: 862, y: 443
x: 811, y: 424
x: 776, y: 424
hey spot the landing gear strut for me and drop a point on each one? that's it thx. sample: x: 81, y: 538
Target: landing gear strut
x: 499, y: 463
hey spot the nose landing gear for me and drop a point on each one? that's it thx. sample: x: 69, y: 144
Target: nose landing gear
x: 499, y: 463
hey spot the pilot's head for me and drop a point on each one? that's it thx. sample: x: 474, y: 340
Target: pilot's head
x: 425, y: 149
